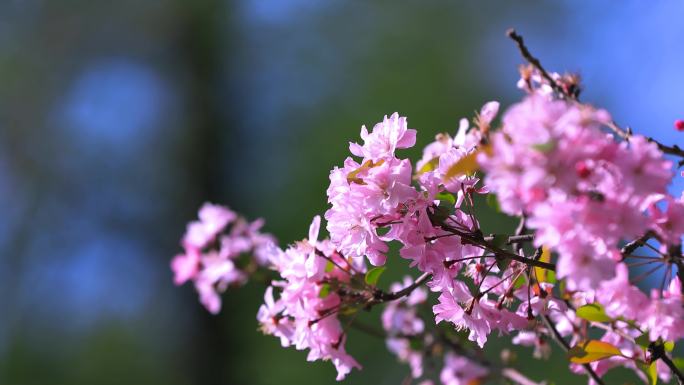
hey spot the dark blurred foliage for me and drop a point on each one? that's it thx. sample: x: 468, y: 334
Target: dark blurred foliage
x: 117, y: 119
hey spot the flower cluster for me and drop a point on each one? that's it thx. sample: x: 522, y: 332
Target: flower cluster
x: 305, y: 315
x: 582, y: 191
x: 596, y: 221
x: 212, y: 248
x: 408, y: 339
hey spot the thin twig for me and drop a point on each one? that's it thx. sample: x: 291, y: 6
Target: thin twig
x: 630, y: 247
x: 675, y: 370
x: 619, y: 131
x: 626, y: 134
x: 382, y: 296
x: 512, y: 239
x: 527, y: 55
x: 658, y: 353
x: 479, y: 240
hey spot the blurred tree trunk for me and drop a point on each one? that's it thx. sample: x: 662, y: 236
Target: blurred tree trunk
x: 202, y: 40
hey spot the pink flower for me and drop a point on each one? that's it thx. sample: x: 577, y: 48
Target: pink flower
x: 185, y: 266
x: 304, y: 315
x: 620, y: 298
x: 362, y: 197
x: 459, y: 370
x: 401, y: 347
x: 271, y: 321
x: 664, y: 318
x: 669, y: 223
x: 212, y: 244
x: 387, y: 136
x: 212, y: 220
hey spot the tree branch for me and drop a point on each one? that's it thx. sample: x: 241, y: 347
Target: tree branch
x: 381, y: 296
x: 626, y: 134
x: 527, y: 55
x: 675, y: 370
x: 630, y: 247
x: 619, y: 131
x: 657, y: 351
x: 478, y: 240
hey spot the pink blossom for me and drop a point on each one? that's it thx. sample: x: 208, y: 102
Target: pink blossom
x: 620, y: 298
x: 211, y: 246
x: 185, y: 266
x: 303, y: 316
x: 459, y: 370
x: 387, y: 136
x: 669, y: 223
x: 212, y: 220
x: 664, y: 318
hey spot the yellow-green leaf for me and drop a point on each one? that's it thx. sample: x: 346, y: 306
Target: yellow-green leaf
x: 651, y: 372
x: 466, y: 165
x: 446, y: 197
x: 352, y: 176
x: 429, y: 166
x: 374, y: 274
x: 669, y: 346
x: 545, y: 275
x: 593, y: 312
x: 325, y: 290
x: 643, y: 340
x: 493, y: 202
x: 679, y: 363
x: 592, y: 350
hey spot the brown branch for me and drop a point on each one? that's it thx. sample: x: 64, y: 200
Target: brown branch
x: 513, y: 239
x: 381, y: 296
x: 478, y: 240
x: 658, y: 353
x: 626, y: 134
x: 619, y: 131
x: 630, y: 247
x: 527, y: 55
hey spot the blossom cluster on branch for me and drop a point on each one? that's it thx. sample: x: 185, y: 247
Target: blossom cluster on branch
x: 595, y: 265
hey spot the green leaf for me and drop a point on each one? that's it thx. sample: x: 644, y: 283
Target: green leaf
x: 351, y: 310
x: 329, y: 267
x: 493, y: 202
x: 502, y: 263
x: 374, y: 274
x: 499, y: 240
x: 446, y: 197
x: 416, y: 344
x: 679, y: 363
x: 545, y: 275
x: 643, y: 340
x: 592, y: 350
x: 545, y: 147
x: 651, y: 372
x: 352, y: 176
x: 519, y: 282
x: 466, y: 165
x: 669, y: 346
x: 429, y: 166
x: 593, y: 312
x: 441, y: 213
x: 325, y: 290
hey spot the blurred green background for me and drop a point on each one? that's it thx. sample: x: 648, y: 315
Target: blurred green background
x: 117, y: 119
